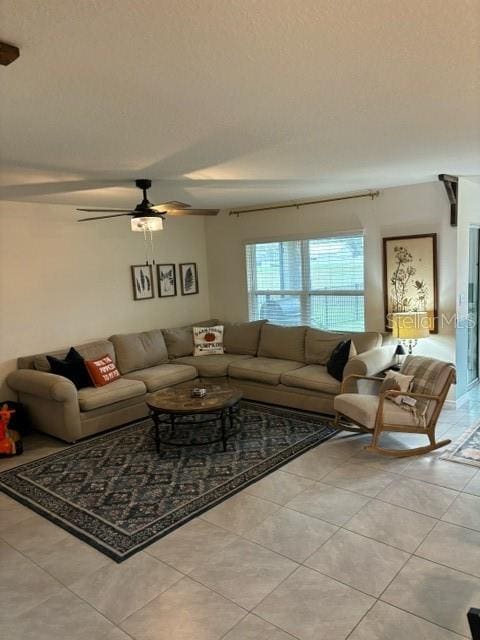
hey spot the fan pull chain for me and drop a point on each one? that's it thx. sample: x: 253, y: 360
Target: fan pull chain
x: 145, y: 244
x: 151, y: 245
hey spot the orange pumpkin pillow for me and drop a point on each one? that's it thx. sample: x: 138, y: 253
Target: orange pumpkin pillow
x: 102, y: 371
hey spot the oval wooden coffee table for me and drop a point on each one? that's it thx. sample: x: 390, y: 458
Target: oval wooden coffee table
x: 175, y: 407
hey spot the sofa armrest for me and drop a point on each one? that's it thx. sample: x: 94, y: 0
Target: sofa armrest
x: 51, y: 402
x: 353, y: 377
x: 44, y: 385
x: 368, y: 364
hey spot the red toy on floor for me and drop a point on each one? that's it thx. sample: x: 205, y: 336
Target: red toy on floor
x: 7, y: 444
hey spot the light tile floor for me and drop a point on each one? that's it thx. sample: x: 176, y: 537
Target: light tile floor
x: 340, y: 543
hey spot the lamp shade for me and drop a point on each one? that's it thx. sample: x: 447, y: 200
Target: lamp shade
x: 147, y: 223
x: 410, y: 326
x: 400, y: 351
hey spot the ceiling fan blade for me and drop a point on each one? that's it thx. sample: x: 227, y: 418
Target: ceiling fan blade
x: 107, y: 210
x: 171, y: 204
x: 192, y: 212
x: 32, y: 189
x: 118, y: 215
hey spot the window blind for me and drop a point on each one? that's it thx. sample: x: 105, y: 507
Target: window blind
x: 317, y: 281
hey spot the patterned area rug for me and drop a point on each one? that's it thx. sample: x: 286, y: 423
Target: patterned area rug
x: 467, y: 449
x: 116, y: 493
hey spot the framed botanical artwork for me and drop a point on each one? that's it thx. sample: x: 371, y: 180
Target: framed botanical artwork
x: 142, y: 281
x: 188, y: 278
x: 410, y: 277
x: 167, y: 280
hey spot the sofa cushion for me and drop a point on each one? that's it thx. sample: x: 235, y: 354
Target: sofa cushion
x: 93, y: 398
x: 139, y: 350
x: 285, y: 343
x: 267, y: 370
x: 319, y: 344
x: 88, y: 351
x: 363, y: 409
x: 242, y: 337
x: 396, y: 381
x: 314, y: 377
x: 102, y: 371
x: 214, y: 366
x: 72, y: 367
x: 163, y: 375
x: 179, y: 340
x: 208, y: 340
x: 366, y: 340
x: 339, y: 358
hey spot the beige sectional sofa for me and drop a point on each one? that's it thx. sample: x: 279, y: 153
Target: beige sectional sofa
x: 270, y: 363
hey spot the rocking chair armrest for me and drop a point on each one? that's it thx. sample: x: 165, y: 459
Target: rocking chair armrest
x: 393, y: 393
x: 410, y: 394
x: 356, y: 376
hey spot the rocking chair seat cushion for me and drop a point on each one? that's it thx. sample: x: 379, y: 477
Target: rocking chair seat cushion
x: 362, y: 409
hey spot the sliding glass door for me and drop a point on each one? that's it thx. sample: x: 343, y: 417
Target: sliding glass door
x: 473, y: 301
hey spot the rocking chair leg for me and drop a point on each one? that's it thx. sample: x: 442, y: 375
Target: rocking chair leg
x: 405, y: 453
x: 376, y: 437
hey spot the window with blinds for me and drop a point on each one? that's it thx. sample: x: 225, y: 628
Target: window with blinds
x: 319, y: 282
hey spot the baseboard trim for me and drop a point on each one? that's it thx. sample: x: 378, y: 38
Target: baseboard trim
x: 456, y: 404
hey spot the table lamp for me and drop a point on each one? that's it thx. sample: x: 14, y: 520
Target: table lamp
x: 410, y: 327
x: 399, y: 351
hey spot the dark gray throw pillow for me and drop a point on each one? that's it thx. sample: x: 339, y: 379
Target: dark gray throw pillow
x: 338, y: 360
x: 73, y: 368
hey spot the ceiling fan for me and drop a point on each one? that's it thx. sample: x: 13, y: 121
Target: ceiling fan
x: 147, y: 216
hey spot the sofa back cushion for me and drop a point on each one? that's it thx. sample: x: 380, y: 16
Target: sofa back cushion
x: 319, y: 344
x: 179, y: 340
x: 387, y: 339
x: 366, y: 340
x: 242, y: 337
x: 285, y: 343
x: 139, y: 350
x: 88, y: 351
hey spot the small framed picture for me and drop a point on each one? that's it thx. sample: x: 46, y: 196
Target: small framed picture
x: 167, y: 280
x: 189, y: 278
x: 142, y: 281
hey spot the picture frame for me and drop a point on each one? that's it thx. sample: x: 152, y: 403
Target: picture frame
x: 188, y: 278
x: 410, y: 276
x: 142, y: 281
x: 167, y: 280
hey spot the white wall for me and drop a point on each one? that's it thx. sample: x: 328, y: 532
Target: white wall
x: 409, y: 210
x: 63, y: 283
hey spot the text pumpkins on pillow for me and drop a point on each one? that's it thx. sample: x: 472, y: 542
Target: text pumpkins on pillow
x: 208, y: 340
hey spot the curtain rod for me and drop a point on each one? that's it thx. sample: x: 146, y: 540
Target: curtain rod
x: 370, y: 194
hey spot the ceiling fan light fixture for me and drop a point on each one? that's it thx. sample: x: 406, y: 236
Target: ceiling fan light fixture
x: 147, y: 223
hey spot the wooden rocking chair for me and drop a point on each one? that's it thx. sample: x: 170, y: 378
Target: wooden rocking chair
x: 378, y: 413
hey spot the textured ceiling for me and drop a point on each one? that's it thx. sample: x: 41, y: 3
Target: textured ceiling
x: 235, y: 102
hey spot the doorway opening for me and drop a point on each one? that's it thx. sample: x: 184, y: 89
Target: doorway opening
x: 473, y: 309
